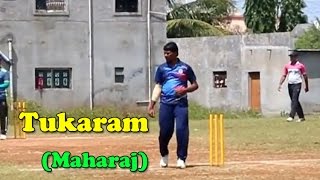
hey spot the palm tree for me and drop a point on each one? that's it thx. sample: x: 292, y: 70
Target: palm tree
x: 198, y: 18
x: 171, y: 3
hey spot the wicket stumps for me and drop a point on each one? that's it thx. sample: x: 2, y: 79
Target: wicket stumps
x: 216, y: 140
x: 18, y: 124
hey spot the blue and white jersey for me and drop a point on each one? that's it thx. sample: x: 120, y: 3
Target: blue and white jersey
x: 4, y: 83
x: 172, y: 77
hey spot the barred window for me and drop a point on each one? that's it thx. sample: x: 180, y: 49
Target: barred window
x: 219, y: 79
x: 53, y: 78
x: 51, y: 5
x: 118, y: 75
x: 126, y: 6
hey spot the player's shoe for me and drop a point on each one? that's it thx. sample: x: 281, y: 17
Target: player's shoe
x: 290, y: 119
x: 181, y: 164
x: 3, y: 137
x: 300, y: 120
x: 164, y: 161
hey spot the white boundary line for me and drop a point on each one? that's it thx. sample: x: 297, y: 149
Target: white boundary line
x: 286, y: 162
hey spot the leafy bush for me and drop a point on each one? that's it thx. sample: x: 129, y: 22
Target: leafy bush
x: 310, y: 39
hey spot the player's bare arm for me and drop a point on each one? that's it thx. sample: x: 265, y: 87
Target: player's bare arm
x: 193, y: 83
x: 182, y: 90
x: 154, y: 98
x: 282, y: 79
x: 194, y: 86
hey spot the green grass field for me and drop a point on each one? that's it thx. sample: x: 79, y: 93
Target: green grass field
x: 244, y: 132
x: 242, y: 129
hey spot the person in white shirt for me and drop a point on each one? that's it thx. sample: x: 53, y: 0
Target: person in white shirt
x: 295, y: 70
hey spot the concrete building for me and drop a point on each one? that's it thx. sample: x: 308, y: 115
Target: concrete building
x: 236, y: 23
x: 54, y: 43
x: 242, y: 72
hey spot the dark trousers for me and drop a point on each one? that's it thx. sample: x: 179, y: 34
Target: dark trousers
x: 168, y: 115
x: 3, y: 116
x: 294, y: 92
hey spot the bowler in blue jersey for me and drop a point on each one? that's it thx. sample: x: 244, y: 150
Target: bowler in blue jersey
x: 173, y: 77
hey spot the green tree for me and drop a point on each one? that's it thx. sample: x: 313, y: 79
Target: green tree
x: 310, y: 39
x: 291, y: 14
x: 210, y: 11
x: 199, y: 18
x: 260, y: 15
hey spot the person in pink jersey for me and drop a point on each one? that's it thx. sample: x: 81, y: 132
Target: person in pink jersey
x: 295, y: 71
